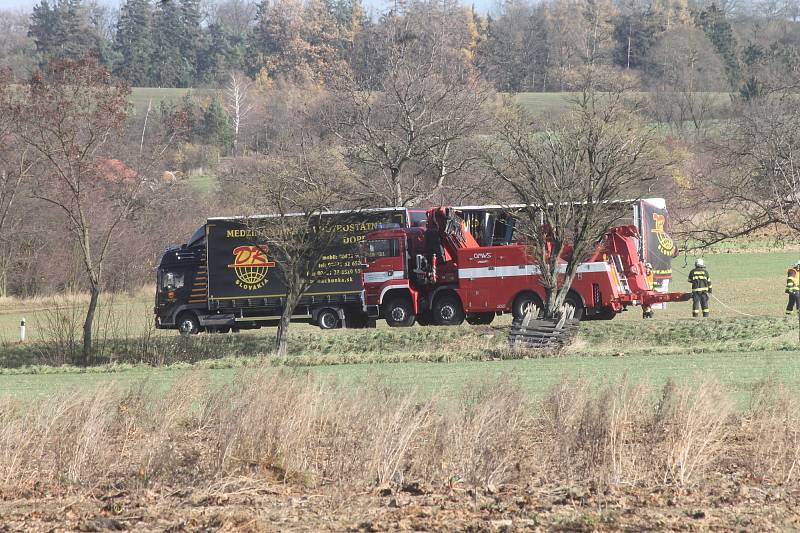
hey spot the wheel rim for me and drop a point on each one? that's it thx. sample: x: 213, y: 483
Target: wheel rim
x: 187, y: 326
x: 447, y: 312
x: 328, y: 320
x: 398, y: 314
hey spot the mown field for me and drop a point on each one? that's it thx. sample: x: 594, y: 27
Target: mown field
x: 747, y: 341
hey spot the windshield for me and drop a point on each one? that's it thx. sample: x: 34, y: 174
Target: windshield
x: 171, y: 280
x: 197, y: 237
x: 418, y: 217
x: 375, y: 249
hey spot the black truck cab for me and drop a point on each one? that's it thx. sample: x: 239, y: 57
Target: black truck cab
x: 182, y: 284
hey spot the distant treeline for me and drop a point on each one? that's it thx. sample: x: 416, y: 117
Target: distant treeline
x: 519, y: 46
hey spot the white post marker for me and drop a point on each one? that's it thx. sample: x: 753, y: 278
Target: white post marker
x: 22, y: 330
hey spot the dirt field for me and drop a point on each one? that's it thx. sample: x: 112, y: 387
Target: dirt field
x: 726, y: 503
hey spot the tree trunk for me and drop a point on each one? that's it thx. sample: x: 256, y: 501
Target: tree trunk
x: 88, y: 323
x: 282, y: 335
x: 550, y: 307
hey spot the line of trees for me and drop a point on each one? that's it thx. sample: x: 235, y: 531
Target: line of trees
x: 520, y: 46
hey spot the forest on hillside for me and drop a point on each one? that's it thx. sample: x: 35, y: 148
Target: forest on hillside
x: 518, y: 46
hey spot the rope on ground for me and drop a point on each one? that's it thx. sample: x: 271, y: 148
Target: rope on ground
x: 728, y: 307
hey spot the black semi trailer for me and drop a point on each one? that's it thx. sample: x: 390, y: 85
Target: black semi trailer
x: 219, y: 281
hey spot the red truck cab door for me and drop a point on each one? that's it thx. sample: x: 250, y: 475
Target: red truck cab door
x: 385, y: 258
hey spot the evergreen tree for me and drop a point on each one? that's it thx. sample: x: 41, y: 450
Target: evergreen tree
x: 720, y: 33
x: 217, y: 129
x: 62, y: 31
x: 168, y: 68
x: 635, y: 32
x: 43, y: 30
x: 134, y: 42
x: 223, y: 53
x: 190, y: 38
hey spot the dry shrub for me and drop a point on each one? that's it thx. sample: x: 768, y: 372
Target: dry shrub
x: 690, y: 427
x: 305, y: 430
x: 774, y: 433
x: 618, y: 434
x: 480, y: 439
x: 270, y: 424
x: 62, y: 439
x: 597, y: 435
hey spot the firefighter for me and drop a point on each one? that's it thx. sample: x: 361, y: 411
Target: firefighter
x: 701, y: 288
x: 647, y: 311
x: 433, y: 242
x: 793, y: 288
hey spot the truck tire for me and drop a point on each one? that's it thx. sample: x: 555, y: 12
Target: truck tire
x: 480, y: 319
x: 574, y: 306
x: 447, y: 310
x: 399, y: 312
x: 424, y: 318
x: 188, y: 324
x: 523, y: 302
x: 328, y: 319
x: 604, y: 313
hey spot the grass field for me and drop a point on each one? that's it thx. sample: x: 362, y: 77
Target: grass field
x: 534, y: 102
x: 738, y: 372
x: 738, y: 349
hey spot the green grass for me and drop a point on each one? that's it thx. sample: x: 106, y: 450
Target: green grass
x: 738, y: 350
x: 556, y: 102
x: 738, y: 372
x: 140, y: 96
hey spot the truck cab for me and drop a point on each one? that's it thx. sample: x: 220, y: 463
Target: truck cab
x: 181, y: 284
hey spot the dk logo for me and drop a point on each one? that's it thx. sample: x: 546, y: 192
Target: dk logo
x: 251, y: 266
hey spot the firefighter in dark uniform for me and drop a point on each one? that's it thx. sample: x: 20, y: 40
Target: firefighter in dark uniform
x: 793, y: 288
x: 647, y: 311
x: 433, y: 242
x: 701, y: 288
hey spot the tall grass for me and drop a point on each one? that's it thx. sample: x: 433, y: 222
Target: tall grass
x: 303, y: 431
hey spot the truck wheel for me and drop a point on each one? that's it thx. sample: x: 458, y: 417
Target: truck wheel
x: 424, y: 318
x: 604, y: 313
x: 399, y: 312
x: 328, y: 319
x: 573, y: 307
x: 447, y: 310
x: 480, y: 319
x: 527, y: 301
x: 188, y: 324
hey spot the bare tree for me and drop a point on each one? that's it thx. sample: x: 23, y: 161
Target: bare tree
x: 73, y: 119
x: 408, y: 130
x: 296, y: 189
x: 237, y: 104
x: 751, y: 180
x: 15, y: 169
x: 568, y: 175
x: 687, y: 76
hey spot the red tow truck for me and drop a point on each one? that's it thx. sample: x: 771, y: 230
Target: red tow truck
x: 441, y: 275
